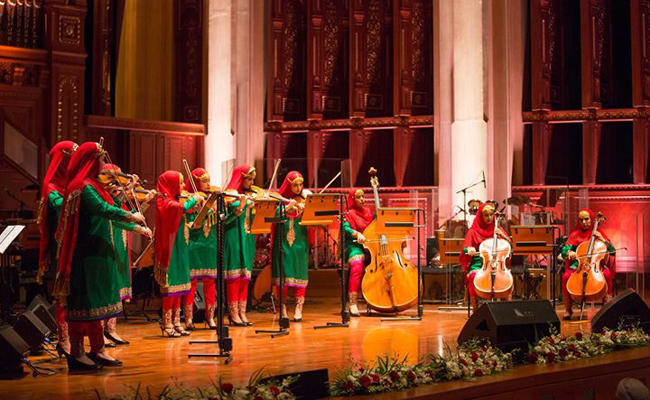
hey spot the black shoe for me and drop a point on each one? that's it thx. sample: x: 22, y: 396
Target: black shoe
x: 297, y: 320
x: 104, y: 361
x: 76, y: 365
x: 115, y: 340
x: 190, y: 327
x: 61, y: 352
x: 233, y: 323
x: 248, y: 323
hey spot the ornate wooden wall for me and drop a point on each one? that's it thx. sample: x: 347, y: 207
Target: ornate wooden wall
x: 352, y: 80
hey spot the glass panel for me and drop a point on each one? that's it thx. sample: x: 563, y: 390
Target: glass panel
x: 22, y: 151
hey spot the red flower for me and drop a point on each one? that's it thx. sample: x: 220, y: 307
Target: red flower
x: 387, y: 382
x: 274, y: 390
x: 572, y: 347
x: 551, y: 340
x: 532, y: 357
x: 463, y: 361
x: 577, y: 354
x: 563, y: 353
x: 375, y: 378
x: 579, y: 335
x: 483, y: 348
x: 410, y: 375
x: 494, y: 364
x: 360, y: 369
x: 486, y: 363
x: 550, y: 356
x: 394, y: 375
x: 474, y: 357
x: 258, y: 397
x: 365, y: 381
x: 347, y: 386
x: 478, y: 372
x: 227, y: 387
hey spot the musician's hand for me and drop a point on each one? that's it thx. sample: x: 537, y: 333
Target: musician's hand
x: 150, y: 196
x: 360, y: 238
x: 503, y: 236
x: 292, y: 204
x: 138, y: 218
x: 142, y: 230
x: 599, y: 236
x: 571, y: 255
x: 199, y: 199
x: 471, y: 251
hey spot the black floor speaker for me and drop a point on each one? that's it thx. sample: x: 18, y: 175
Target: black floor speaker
x: 30, y: 328
x: 12, y: 347
x: 627, y: 309
x: 310, y: 384
x: 44, y: 311
x: 511, y: 325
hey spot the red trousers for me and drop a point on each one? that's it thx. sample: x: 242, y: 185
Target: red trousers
x: 356, y: 273
x: 208, y: 291
x: 61, y: 323
x: 469, y: 282
x: 568, y: 301
x: 237, y: 289
x: 297, y: 291
x: 171, y: 303
x: 79, y: 329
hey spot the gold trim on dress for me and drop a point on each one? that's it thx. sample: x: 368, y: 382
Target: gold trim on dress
x: 195, y: 273
x: 185, y: 287
x: 291, y: 282
x: 291, y: 234
x: 95, y: 313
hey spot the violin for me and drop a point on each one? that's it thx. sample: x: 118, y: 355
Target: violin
x: 494, y: 279
x: 390, y: 282
x: 587, y: 282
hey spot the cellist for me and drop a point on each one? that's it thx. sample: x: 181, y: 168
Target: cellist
x: 581, y: 233
x: 482, y: 228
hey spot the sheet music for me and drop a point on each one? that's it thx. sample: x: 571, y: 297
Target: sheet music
x: 7, y: 236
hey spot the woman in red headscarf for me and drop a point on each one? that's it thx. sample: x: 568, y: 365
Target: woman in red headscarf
x: 172, y: 266
x: 87, y: 276
x: 482, y: 229
x: 356, y: 221
x: 582, y: 233
x: 294, y: 244
x: 239, y: 244
x: 48, y: 218
x: 202, y: 253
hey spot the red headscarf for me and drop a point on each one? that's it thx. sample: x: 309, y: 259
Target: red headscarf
x: 285, y: 189
x: 359, y: 217
x: 116, y: 169
x: 479, y: 232
x: 82, y: 171
x: 237, y: 178
x: 197, y: 175
x: 168, y: 217
x: 578, y: 235
x: 54, y: 180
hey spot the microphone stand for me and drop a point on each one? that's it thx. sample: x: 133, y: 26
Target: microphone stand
x: 464, y: 192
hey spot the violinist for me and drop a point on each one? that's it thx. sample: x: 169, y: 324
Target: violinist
x: 294, y: 244
x: 49, y: 212
x: 239, y: 244
x: 482, y: 228
x: 172, y: 238
x: 87, y: 277
x: 202, y: 254
x: 356, y: 221
x: 581, y: 233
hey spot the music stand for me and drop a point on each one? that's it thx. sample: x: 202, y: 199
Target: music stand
x: 450, y: 250
x: 535, y: 240
x: 8, y: 235
x: 320, y: 210
x: 205, y: 210
x: 144, y: 260
x: 270, y: 212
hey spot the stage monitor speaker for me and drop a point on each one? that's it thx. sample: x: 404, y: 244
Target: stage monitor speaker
x: 44, y: 311
x: 12, y: 347
x: 511, y: 325
x: 199, y: 303
x: 31, y: 329
x: 628, y: 308
x: 310, y: 384
x: 432, y: 249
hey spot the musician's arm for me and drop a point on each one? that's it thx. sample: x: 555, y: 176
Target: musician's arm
x: 566, y: 252
x: 611, y: 249
x: 55, y: 202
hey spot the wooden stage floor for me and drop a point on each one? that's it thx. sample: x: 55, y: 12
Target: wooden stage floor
x: 156, y: 361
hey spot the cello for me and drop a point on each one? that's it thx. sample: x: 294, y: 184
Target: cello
x: 587, y: 282
x: 390, y: 281
x: 494, y: 279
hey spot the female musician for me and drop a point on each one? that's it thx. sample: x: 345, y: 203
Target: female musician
x: 87, y: 276
x: 202, y: 255
x: 294, y: 244
x: 48, y: 218
x: 172, y: 266
x: 356, y: 221
x: 481, y: 229
x: 239, y: 245
x: 581, y: 233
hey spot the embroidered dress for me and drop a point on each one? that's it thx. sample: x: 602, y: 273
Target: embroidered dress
x: 178, y: 274
x: 121, y: 243
x: 239, y: 246
x: 202, y: 248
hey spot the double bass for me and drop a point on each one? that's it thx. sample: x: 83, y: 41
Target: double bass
x: 494, y: 279
x: 587, y: 282
x: 390, y: 281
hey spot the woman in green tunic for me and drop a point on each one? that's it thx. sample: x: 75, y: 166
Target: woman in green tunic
x: 87, y: 276
x: 48, y: 219
x: 239, y: 244
x: 202, y: 253
x: 172, y: 265
x: 292, y: 240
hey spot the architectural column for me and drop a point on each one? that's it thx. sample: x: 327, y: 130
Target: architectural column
x: 219, y: 141
x: 469, y: 139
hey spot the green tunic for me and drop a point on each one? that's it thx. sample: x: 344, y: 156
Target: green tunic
x: 574, y: 263
x: 239, y: 246
x: 94, y: 278
x: 54, y: 203
x: 476, y: 263
x: 178, y: 274
x: 121, y: 242
x: 295, y: 256
x: 202, y: 249
x: 353, y: 250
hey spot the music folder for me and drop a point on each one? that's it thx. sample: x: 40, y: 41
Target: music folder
x: 7, y: 236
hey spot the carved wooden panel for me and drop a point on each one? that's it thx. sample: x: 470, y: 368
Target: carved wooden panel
x: 641, y: 146
x: 541, y: 144
x: 102, y: 56
x: 189, y: 60
x: 22, y: 23
x: 542, y: 25
x: 640, y: 37
x: 593, y: 33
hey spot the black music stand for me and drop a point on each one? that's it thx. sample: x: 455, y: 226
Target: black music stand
x: 223, y: 341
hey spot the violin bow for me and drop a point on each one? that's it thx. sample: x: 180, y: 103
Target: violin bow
x: 189, y: 175
x: 330, y: 182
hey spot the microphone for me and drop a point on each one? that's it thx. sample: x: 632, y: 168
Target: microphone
x: 484, y: 183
